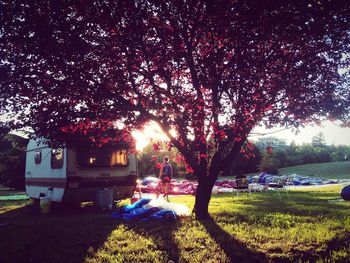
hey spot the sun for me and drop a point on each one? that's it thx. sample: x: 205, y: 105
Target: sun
x: 151, y: 131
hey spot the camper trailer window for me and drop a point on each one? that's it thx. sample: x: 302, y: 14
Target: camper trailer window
x: 37, y: 157
x: 57, y: 158
x: 102, y: 157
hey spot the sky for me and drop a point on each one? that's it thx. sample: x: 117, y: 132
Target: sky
x: 333, y: 134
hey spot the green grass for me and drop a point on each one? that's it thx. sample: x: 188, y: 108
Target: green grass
x: 332, y: 170
x: 256, y: 228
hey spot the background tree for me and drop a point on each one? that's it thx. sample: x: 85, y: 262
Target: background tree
x: 247, y: 161
x: 269, y: 164
x: 146, y: 166
x: 206, y: 69
x: 307, y: 153
x: 318, y: 140
x: 12, y: 160
x: 340, y: 153
x: 149, y: 160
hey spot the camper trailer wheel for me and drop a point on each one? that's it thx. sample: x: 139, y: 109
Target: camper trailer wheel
x: 35, y: 201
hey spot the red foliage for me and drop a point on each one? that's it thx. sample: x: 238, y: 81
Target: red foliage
x: 204, y: 155
x: 156, y: 147
x: 269, y: 149
x: 158, y: 165
x: 189, y: 169
x: 206, y: 69
x: 169, y: 146
x: 179, y: 159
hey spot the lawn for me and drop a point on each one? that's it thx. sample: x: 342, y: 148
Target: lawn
x: 331, y: 170
x: 307, y: 226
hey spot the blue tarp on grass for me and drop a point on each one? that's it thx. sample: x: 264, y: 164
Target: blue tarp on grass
x: 138, y: 211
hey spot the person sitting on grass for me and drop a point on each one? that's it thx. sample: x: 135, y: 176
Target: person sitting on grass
x: 165, y: 175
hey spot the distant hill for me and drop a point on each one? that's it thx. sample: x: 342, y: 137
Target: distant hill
x: 332, y: 170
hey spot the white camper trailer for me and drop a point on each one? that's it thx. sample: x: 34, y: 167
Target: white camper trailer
x: 75, y: 174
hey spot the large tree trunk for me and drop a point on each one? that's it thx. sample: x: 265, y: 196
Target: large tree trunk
x: 203, y: 195
x: 207, y: 177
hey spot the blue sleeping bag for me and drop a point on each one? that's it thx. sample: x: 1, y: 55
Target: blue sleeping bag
x: 137, y: 204
x: 296, y: 182
x: 345, y: 193
x: 305, y: 182
x: 140, y: 213
x: 262, y: 178
x: 162, y: 215
x: 137, y: 211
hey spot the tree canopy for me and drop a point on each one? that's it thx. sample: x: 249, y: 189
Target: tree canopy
x: 209, y: 70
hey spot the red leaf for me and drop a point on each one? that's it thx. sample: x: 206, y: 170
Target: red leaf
x: 156, y: 147
x: 203, y: 155
x: 269, y: 149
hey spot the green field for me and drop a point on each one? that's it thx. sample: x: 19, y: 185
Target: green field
x: 307, y: 226
x: 333, y: 170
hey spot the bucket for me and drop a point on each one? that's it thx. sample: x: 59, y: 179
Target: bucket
x: 104, y: 199
x: 45, y: 205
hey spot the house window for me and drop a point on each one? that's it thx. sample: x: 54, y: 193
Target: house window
x: 37, y: 157
x: 57, y: 158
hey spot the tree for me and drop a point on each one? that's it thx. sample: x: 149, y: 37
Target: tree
x: 318, y: 140
x: 12, y: 160
x: 340, y: 153
x: 281, y: 156
x: 209, y: 70
x: 269, y: 164
x: 247, y: 160
x: 149, y: 160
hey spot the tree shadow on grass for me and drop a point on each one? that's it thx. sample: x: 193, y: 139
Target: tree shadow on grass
x: 162, y: 234
x: 67, y: 234
x: 298, y: 203
x: 306, y: 207
x: 234, y: 249
x: 335, y: 250
x: 70, y: 233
